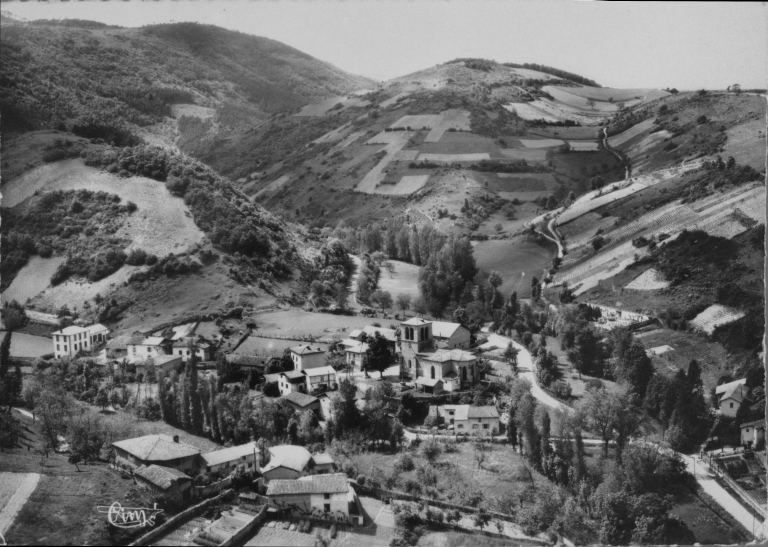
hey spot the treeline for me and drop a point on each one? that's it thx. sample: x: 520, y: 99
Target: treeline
x: 52, y: 226
x: 230, y: 219
x: 517, y: 166
x: 555, y: 72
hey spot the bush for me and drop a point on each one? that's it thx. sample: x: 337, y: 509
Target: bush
x: 561, y: 390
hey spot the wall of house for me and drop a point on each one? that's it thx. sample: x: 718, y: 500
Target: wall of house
x: 338, y: 502
x: 281, y: 473
x: 727, y: 410
x: 460, y: 339
x: 313, y: 506
x: 311, y: 360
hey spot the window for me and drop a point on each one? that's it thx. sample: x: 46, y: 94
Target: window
x: 731, y: 403
x: 208, y: 469
x: 326, y: 496
x: 433, y: 372
x: 475, y: 426
x: 485, y: 426
x: 747, y: 430
x: 250, y: 465
x: 450, y: 412
x: 461, y: 426
x: 242, y: 458
x: 327, y: 507
x: 57, y: 347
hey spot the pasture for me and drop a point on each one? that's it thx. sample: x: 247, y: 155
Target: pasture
x: 404, y: 279
x: 478, y: 156
x: 516, y: 260
x: 269, y: 347
x: 608, y: 93
x: 374, y: 177
x: 74, y: 292
x: 29, y: 345
x: 746, y: 143
x: 634, y: 131
x: 32, y: 279
x: 162, y: 224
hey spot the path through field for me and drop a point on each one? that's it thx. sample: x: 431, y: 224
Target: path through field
x: 15, y: 488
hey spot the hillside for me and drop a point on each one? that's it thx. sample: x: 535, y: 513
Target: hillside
x: 123, y: 83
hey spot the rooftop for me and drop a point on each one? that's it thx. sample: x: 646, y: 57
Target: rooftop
x: 371, y: 331
x: 415, y: 322
x: 272, y: 378
x: 153, y: 341
x: 359, y: 348
x: 301, y: 399
x: 443, y: 355
x: 306, y: 350
x: 161, y: 476
x: 68, y: 331
x: 314, y: 484
x: 228, y: 454
x: 756, y: 423
x: 289, y: 456
x: 320, y: 371
x: 322, y: 459
x: 441, y: 329
x: 482, y: 412
x: 737, y: 392
x: 97, y: 328
x: 722, y: 388
x: 293, y: 374
x: 156, y: 448
x: 163, y: 359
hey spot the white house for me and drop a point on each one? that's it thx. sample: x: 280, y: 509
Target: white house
x: 71, y: 340
x: 181, y: 348
x: 453, y: 335
x: 731, y: 398
x: 356, y: 355
x: 320, y: 378
x: 292, y: 380
x: 753, y: 433
x: 467, y: 419
x: 287, y: 461
x: 224, y: 461
x: 152, y: 346
x: 319, y: 496
x: 305, y: 357
x: 446, y: 370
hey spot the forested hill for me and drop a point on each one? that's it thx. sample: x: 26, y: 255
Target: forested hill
x: 107, y: 82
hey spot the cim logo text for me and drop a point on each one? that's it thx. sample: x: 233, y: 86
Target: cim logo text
x: 129, y: 517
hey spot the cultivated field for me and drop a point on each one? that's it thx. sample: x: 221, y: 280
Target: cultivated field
x: 28, y: 345
x: 566, y: 97
x: 32, y: 279
x: 407, y: 185
x: 323, y: 107
x: 634, y: 131
x: 577, y: 146
x: 404, y: 279
x: 541, y: 143
x: 450, y: 119
x: 302, y: 323
x: 649, y: 280
x: 516, y: 260
x: 479, y: 156
x: 529, y: 112
x: 274, y: 185
x: 161, y: 225
x: 420, y: 121
x: 374, y: 177
x: 533, y: 155
x: 715, y: 316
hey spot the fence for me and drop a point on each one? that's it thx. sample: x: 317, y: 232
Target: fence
x: 214, y: 488
x: 743, y: 494
x: 238, y: 537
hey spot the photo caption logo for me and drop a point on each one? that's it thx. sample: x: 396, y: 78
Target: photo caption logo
x: 129, y: 517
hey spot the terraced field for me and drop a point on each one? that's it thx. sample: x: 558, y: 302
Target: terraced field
x: 634, y: 131
x: 529, y: 112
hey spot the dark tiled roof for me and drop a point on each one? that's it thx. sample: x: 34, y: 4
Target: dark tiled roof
x: 482, y: 412
x: 313, y: 484
x: 306, y: 350
x: 161, y: 476
x: 301, y: 399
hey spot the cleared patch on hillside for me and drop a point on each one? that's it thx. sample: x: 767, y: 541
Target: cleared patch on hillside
x: 407, y: 185
x: 274, y: 185
x: 715, y: 316
x: 392, y: 100
x: 649, y: 280
x: 418, y: 121
x: 332, y: 136
x: 615, y: 95
x: 194, y: 110
x: 529, y: 112
x: 32, y: 279
x: 332, y: 104
x: 75, y: 292
x: 161, y: 225
x: 747, y: 143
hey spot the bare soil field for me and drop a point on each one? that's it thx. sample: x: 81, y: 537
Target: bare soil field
x: 404, y: 279
x: 450, y: 119
x: 421, y: 121
x: 32, y: 279
x: 457, y: 142
x: 374, y: 177
x: 517, y: 260
x: 332, y: 136
x: 161, y: 225
x: 533, y: 155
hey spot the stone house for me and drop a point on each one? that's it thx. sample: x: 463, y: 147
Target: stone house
x: 305, y: 357
x: 319, y: 496
x: 159, y: 450
x: 292, y: 381
x: 224, y: 461
x: 168, y: 481
x: 753, y: 433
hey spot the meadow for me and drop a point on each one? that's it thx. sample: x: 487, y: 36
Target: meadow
x: 302, y: 323
x: 516, y: 260
x: 32, y: 279
x: 28, y: 345
x: 404, y: 279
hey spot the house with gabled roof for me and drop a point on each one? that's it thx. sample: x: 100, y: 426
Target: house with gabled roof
x: 753, y: 433
x: 70, y: 341
x: 287, y: 462
x: 306, y: 356
x: 301, y: 402
x: 731, y: 399
x: 320, y: 378
x: 167, y: 481
x: 468, y: 419
x: 451, y: 335
x: 356, y: 356
x: 318, y: 496
x: 225, y: 460
x: 159, y: 450
x: 181, y: 348
x: 292, y: 380
x: 151, y: 346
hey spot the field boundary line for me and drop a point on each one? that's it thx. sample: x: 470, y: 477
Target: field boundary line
x: 17, y: 501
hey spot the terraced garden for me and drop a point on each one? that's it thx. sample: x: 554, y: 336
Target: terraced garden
x: 715, y: 316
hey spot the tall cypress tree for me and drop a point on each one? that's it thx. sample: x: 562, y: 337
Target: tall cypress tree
x: 196, y: 411
x: 162, y: 395
x: 5, y: 355
x: 214, y: 413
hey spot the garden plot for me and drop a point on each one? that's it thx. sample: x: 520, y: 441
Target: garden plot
x: 32, y: 279
x: 715, y: 316
x: 632, y: 132
x: 375, y: 176
x: 332, y: 136
x: 274, y: 185
x: 581, y: 146
x: 479, y: 156
x: 407, y: 185
x: 161, y: 225
x: 15, y: 488
x: 541, y: 143
x: 527, y: 111
x: 649, y: 280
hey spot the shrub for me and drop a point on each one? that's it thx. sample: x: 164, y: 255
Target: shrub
x: 561, y: 390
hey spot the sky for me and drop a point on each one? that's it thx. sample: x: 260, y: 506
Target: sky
x: 687, y: 45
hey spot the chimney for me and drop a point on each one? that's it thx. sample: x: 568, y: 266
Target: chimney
x: 175, y: 438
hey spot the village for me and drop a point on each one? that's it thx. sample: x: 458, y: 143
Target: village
x: 456, y: 384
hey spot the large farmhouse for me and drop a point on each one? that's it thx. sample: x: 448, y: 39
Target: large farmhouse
x: 159, y: 450
x: 326, y: 497
x: 70, y: 341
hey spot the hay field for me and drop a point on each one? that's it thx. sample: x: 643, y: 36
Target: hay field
x: 28, y: 345
x: 478, y: 156
x: 535, y: 155
x: 406, y: 155
x: 455, y: 142
x: 529, y: 112
x: 449, y: 119
x: 373, y: 178
x: 403, y: 280
x: 32, y: 279
x: 649, y: 280
x: 577, y: 146
x: 419, y: 121
x: 541, y: 143
x: 299, y: 322
x: 715, y: 316
x: 517, y: 260
x: 161, y: 225
x: 193, y: 110
x: 274, y: 185
x: 408, y: 185
x: 386, y: 137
